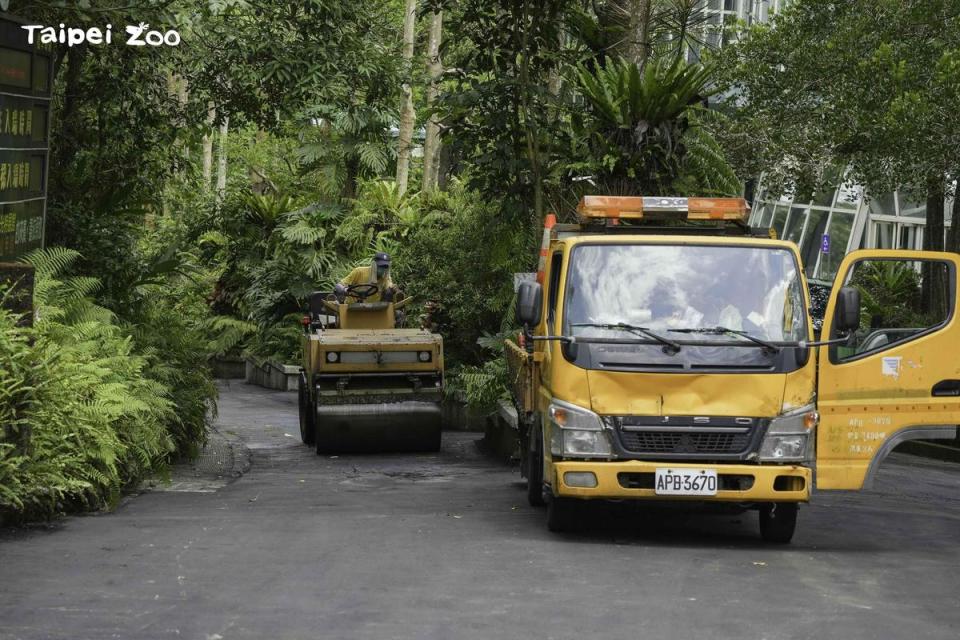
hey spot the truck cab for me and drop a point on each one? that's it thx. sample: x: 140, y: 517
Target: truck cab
x: 668, y: 354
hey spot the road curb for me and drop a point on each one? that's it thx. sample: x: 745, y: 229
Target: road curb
x: 223, y: 459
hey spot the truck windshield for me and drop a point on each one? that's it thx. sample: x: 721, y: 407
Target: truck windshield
x: 684, y: 291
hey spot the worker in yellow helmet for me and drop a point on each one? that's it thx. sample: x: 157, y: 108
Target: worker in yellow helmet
x: 376, y: 273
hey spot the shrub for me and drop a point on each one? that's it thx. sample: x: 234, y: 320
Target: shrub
x: 463, y: 256
x: 89, y: 403
x: 85, y: 420
x: 176, y: 357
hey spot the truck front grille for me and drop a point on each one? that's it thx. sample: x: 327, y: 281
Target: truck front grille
x: 679, y: 443
x: 695, y: 437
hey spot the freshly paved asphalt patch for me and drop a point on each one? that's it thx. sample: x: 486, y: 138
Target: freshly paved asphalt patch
x: 444, y: 546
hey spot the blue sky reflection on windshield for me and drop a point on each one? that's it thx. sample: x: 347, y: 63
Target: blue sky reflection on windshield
x: 665, y: 287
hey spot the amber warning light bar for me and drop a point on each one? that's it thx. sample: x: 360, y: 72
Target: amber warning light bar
x: 635, y: 207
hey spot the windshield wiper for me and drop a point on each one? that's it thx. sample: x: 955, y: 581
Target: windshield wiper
x: 720, y: 331
x: 669, y: 346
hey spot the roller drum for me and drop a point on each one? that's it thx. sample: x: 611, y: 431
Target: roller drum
x: 378, y: 427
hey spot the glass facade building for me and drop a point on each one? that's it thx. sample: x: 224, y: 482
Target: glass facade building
x: 719, y: 17
x: 828, y: 226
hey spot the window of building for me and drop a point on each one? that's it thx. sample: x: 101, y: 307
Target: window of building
x: 911, y: 237
x: 779, y: 218
x: 794, y: 227
x: 767, y: 220
x: 909, y: 203
x: 883, y: 234
x: 841, y: 224
x: 849, y: 196
x: 883, y: 205
x: 914, y: 212
x: 824, y: 198
x: 812, y: 241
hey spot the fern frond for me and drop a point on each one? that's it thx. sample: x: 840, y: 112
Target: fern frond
x: 52, y: 261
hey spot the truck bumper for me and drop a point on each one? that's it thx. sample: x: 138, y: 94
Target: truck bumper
x: 635, y: 479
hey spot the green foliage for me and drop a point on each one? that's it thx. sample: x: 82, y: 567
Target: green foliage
x: 459, y: 257
x: 268, y: 60
x: 483, y: 385
x: 227, y: 334
x: 869, y: 84
x: 889, y: 290
x: 638, y: 130
x: 505, y: 112
x: 380, y: 213
x: 625, y: 98
x: 176, y: 353
x: 351, y: 143
x: 706, y: 170
x: 85, y: 413
x: 265, y: 254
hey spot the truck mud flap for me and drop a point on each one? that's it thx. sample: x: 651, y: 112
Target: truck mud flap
x: 379, y: 427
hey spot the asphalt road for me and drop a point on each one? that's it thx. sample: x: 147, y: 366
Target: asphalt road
x: 443, y: 546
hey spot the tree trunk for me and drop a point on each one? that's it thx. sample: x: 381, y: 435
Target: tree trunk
x: 953, y: 239
x: 446, y: 166
x: 407, y: 114
x: 208, y: 147
x: 431, y: 143
x: 527, y: 119
x: 70, y: 113
x: 351, y: 172
x: 638, y: 34
x: 179, y: 89
x: 933, y: 293
x: 222, y: 158
x: 61, y: 228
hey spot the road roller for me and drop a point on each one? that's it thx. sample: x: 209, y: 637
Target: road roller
x: 368, y: 384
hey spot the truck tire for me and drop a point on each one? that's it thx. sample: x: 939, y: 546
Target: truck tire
x: 562, y: 514
x: 308, y: 425
x: 778, y: 521
x: 534, y: 465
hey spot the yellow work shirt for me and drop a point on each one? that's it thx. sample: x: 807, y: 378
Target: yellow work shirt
x: 367, y: 275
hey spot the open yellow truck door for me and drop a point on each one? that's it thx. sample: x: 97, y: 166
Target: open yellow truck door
x: 898, y: 378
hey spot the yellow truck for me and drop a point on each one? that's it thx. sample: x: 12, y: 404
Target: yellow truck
x: 667, y: 353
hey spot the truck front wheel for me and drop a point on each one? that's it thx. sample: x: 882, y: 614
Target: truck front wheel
x: 778, y: 521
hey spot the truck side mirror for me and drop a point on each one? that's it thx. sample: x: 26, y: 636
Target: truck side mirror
x: 529, y: 304
x: 847, y: 315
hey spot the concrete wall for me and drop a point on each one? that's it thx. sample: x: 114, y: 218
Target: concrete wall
x: 282, y: 377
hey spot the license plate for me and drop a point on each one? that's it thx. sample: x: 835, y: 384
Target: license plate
x: 686, y: 482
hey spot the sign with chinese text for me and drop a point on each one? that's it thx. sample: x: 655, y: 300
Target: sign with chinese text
x: 25, y: 78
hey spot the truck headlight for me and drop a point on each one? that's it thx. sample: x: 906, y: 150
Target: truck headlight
x: 423, y: 356
x: 790, y: 436
x: 333, y: 356
x: 576, y: 432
